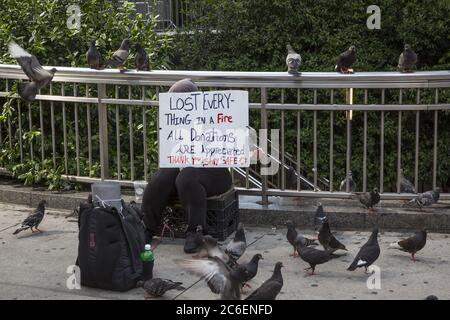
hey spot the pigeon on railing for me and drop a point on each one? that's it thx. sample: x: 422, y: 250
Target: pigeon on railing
x: 38, y: 76
x: 33, y: 220
x: 411, y: 245
x: 293, y: 60
x: 405, y: 185
x: 407, y: 60
x: 271, y: 287
x: 346, y: 60
x: 93, y: 57
x: 368, y: 253
x: 425, y: 199
x: 119, y: 57
x: 141, y: 60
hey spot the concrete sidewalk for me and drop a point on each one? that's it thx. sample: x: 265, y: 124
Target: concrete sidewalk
x: 33, y: 266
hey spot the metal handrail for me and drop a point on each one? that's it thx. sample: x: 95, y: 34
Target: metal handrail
x: 249, y: 80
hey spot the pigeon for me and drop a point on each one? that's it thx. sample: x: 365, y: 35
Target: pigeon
x: 120, y: 56
x: 271, y: 287
x: 292, y: 236
x: 220, y: 278
x: 368, y: 253
x: 93, y: 57
x: 252, y: 267
x: 291, y: 178
x: 213, y: 250
x: 369, y: 199
x: 141, y: 60
x: 431, y: 297
x: 33, y: 220
x: 351, y: 183
x: 407, y: 60
x: 405, y: 185
x: 198, y: 238
x: 38, y: 76
x: 346, y: 60
x: 319, y: 215
x: 314, y: 256
x: 413, y: 244
x: 425, y: 199
x: 157, y: 287
x: 327, y: 239
x: 236, y: 248
x: 293, y: 61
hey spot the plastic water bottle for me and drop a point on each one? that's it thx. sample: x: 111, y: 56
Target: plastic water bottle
x: 148, y: 260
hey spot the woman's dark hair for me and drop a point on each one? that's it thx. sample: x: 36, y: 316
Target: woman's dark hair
x: 185, y: 85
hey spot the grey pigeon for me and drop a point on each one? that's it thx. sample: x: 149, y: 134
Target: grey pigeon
x: 314, y: 256
x: 293, y: 60
x: 271, y: 287
x: 293, y: 237
x: 119, y: 57
x: 351, y: 183
x: 407, y: 60
x: 219, y: 276
x: 33, y: 220
x: 413, y: 244
x: 327, y: 239
x: 319, y: 215
x: 405, y: 185
x: 346, y: 60
x: 236, y: 248
x: 291, y: 178
x: 368, y: 253
x: 141, y: 60
x: 93, y: 57
x: 38, y: 76
x: 369, y: 199
x: 211, y: 246
x: 252, y: 267
x: 157, y: 287
x: 431, y: 297
x: 425, y: 199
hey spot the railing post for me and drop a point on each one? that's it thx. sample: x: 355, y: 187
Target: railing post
x: 103, y: 131
x: 264, y: 125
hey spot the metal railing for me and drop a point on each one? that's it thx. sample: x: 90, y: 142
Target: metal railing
x: 109, y: 111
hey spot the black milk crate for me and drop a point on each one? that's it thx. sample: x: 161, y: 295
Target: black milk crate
x: 222, y: 216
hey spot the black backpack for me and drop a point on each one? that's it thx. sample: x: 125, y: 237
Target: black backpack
x: 109, y: 247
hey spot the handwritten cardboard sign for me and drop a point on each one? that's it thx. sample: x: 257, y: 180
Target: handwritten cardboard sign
x: 204, y: 129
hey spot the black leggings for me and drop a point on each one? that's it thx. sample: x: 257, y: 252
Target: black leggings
x: 193, y: 186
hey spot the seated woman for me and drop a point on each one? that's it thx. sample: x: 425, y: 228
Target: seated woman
x: 193, y: 186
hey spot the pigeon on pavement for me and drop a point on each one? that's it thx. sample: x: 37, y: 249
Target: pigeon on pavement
x: 346, y: 60
x: 236, y: 248
x: 271, y: 287
x: 407, y: 60
x: 327, y: 239
x: 368, y: 253
x: 213, y: 250
x: 252, y: 267
x: 319, y: 215
x: 38, y: 76
x: 293, y: 60
x: 157, y: 287
x: 413, y: 244
x: 405, y: 185
x: 351, y: 183
x: 431, y: 297
x: 314, y: 256
x: 33, y: 220
x: 293, y: 237
x: 369, y: 199
x: 93, y: 57
x: 219, y: 276
x: 141, y: 60
x: 120, y: 56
